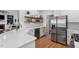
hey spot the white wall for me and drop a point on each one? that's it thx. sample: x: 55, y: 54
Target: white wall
x: 34, y: 12
x: 73, y: 15
x: 23, y: 13
x: 45, y: 14
x: 57, y: 13
x: 15, y: 13
x: 10, y: 12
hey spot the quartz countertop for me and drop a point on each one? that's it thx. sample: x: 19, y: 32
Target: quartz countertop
x: 73, y: 31
x: 15, y: 39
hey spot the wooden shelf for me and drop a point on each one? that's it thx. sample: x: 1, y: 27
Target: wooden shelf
x: 33, y: 17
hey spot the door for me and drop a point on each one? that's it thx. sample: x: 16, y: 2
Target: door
x: 37, y: 33
x: 53, y: 30
x: 59, y: 29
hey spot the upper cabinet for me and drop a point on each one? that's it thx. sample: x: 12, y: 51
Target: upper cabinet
x: 73, y: 15
x: 57, y: 12
x: 47, y: 12
x: 60, y: 12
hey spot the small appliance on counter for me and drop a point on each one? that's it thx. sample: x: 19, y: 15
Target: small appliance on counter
x: 10, y: 19
x: 74, y: 43
x: 2, y: 17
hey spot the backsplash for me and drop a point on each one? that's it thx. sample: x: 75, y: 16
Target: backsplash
x: 73, y: 25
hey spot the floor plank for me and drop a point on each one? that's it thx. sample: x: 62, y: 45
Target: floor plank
x: 45, y: 42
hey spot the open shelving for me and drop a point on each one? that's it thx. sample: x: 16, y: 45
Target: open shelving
x: 32, y: 17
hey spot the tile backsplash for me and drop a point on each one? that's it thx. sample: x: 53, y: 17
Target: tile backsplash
x: 73, y: 25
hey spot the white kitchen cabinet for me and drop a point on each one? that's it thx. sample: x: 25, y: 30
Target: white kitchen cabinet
x: 76, y: 44
x: 28, y: 45
x: 15, y: 39
x: 57, y: 12
x: 73, y: 16
x: 47, y: 12
x: 61, y: 12
x: 42, y: 31
x: 31, y: 32
x: 64, y: 12
x: 68, y: 37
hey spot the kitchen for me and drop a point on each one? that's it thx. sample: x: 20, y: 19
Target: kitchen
x: 67, y: 24
x: 26, y: 28
x: 16, y: 34
x: 12, y: 36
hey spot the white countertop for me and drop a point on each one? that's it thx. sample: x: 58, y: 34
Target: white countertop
x: 73, y: 31
x: 33, y: 26
x: 14, y: 39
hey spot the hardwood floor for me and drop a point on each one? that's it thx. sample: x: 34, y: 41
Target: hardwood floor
x: 45, y: 42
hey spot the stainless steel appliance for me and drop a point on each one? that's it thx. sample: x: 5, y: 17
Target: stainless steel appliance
x: 74, y: 42
x: 10, y: 19
x: 2, y: 17
x: 58, y: 31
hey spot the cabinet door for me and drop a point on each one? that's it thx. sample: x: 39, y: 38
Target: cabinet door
x: 37, y: 33
x: 42, y: 31
x: 73, y: 16
x: 68, y: 37
x: 57, y: 12
x: 31, y: 32
x: 53, y: 26
x: 28, y: 45
x: 61, y: 12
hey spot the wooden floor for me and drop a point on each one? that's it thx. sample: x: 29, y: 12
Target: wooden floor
x: 45, y: 42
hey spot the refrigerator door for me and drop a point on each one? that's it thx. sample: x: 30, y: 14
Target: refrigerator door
x: 53, y: 29
x: 61, y: 29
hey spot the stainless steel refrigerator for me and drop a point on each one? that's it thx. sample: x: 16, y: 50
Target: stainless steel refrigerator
x: 58, y: 29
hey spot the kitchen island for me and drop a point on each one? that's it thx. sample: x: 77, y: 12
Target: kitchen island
x: 17, y: 39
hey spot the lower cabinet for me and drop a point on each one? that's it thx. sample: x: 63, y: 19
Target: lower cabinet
x: 32, y: 32
x: 29, y: 45
x: 42, y: 31
x: 68, y: 38
x: 39, y: 32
